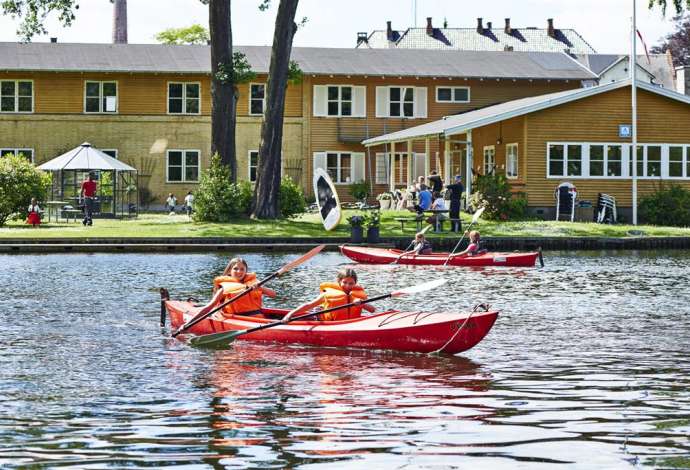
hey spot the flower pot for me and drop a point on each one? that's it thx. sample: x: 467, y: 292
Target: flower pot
x: 385, y: 204
x: 356, y: 234
x: 373, y: 235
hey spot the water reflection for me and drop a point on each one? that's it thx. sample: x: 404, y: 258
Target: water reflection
x: 586, y: 367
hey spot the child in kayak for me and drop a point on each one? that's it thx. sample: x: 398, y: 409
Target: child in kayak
x: 345, y: 291
x: 420, y: 246
x: 475, y: 247
x: 231, y: 284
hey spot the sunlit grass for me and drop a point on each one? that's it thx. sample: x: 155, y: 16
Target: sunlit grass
x: 309, y: 226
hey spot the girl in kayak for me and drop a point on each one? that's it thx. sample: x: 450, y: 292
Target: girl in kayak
x: 234, y: 281
x: 475, y: 247
x: 420, y: 246
x: 334, y: 294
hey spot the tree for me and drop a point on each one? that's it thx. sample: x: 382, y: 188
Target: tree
x: 267, y: 190
x: 194, y: 34
x: 19, y: 182
x: 677, y: 42
x: 677, y: 4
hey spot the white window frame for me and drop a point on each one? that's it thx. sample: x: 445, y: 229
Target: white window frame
x: 452, y: 92
x: 183, y: 165
x: 402, y: 101
x: 340, y: 101
x: 339, y: 167
x: 491, y: 151
x: 16, y: 151
x: 111, y: 150
x: 250, y: 166
x: 101, y: 97
x: 685, y: 162
x: 16, y: 96
x: 184, y: 98
x: 263, y: 100
x: 516, y: 163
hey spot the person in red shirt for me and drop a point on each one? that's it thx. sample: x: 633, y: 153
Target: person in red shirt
x: 87, y: 195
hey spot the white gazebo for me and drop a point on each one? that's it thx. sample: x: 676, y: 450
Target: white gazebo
x: 117, y: 192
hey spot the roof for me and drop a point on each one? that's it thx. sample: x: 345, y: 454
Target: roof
x: 496, y: 39
x: 159, y: 58
x: 461, y: 123
x: 85, y: 157
x: 659, y: 66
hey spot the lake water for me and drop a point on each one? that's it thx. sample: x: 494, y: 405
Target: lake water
x: 586, y: 367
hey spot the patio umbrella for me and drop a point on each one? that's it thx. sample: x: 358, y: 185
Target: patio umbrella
x: 85, y: 157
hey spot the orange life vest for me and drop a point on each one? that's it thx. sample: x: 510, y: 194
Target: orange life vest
x: 231, y: 286
x: 334, y: 296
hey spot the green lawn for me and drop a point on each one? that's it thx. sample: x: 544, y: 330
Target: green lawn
x: 309, y: 225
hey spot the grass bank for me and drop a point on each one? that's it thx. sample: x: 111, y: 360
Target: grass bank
x: 309, y: 225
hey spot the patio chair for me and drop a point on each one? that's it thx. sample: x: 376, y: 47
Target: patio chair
x: 606, y: 209
x: 565, y: 195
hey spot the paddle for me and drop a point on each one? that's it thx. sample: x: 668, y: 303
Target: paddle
x: 410, y: 245
x: 313, y: 252
x: 475, y: 218
x: 217, y: 339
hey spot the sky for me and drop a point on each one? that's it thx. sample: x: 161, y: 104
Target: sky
x: 604, y: 24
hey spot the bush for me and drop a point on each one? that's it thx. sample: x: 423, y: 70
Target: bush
x: 359, y: 191
x: 493, y: 192
x: 19, y: 182
x: 666, y: 206
x: 218, y: 199
x: 291, y: 198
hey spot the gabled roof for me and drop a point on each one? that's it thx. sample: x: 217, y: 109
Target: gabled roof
x: 496, y: 39
x: 461, y: 123
x: 85, y: 157
x: 158, y: 58
x: 658, y: 66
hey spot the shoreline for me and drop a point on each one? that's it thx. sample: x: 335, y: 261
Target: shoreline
x: 161, y: 245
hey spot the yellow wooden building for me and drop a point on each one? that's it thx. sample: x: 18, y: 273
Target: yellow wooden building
x: 149, y: 105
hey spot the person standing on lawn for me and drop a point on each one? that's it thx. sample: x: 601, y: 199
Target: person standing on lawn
x: 435, y: 181
x: 456, y: 189
x: 88, y: 196
x: 189, y: 203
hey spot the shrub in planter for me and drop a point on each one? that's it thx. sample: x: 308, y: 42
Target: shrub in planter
x: 385, y: 200
x: 19, y: 182
x: 359, y: 191
x: 356, y: 228
x: 668, y: 205
x: 373, y: 223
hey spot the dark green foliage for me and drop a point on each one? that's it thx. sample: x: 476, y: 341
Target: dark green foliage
x: 240, y: 72
x: 34, y: 13
x: 19, y: 182
x: 290, y: 198
x: 218, y: 199
x: 372, y: 219
x: 666, y: 206
x: 493, y: 192
x: 356, y: 220
x: 359, y: 191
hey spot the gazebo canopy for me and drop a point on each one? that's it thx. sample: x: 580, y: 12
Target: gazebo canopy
x: 85, y: 157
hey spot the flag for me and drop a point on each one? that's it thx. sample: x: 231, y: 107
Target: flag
x: 639, y: 35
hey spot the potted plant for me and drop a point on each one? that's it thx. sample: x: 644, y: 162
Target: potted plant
x: 373, y: 223
x: 385, y: 200
x: 356, y: 228
x: 360, y: 191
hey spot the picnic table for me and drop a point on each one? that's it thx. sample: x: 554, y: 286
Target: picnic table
x: 437, y: 219
x: 53, y: 207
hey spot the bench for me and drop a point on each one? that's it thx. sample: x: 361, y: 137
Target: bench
x: 404, y: 220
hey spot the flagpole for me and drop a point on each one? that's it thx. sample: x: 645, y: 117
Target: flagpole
x: 633, y: 88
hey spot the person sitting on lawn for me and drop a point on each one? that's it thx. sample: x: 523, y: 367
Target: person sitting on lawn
x: 333, y: 294
x: 475, y: 247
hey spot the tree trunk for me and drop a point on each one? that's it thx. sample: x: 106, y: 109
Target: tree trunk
x: 265, y: 203
x: 223, y: 92
x: 120, y: 22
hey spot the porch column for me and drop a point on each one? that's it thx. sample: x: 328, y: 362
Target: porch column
x: 446, y: 160
x: 391, y: 162
x: 468, y: 166
x: 427, y: 157
x: 409, y: 163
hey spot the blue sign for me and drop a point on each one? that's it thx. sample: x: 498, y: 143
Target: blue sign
x: 624, y: 131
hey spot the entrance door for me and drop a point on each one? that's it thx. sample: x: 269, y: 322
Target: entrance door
x: 419, y: 166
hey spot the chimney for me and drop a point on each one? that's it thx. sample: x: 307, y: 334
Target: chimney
x: 480, y: 28
x: 488, y: 25
x: 429, y: 27
x: 389, y: 31
x: 683, y: 79
x: 120, y: 22
x: 53, y: 40
x: 551, y: 32
x: 362, y: 38
x: 508, y: 29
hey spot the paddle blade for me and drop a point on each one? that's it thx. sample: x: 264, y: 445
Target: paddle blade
x: 305, y: 257
x: 215, y: 340
x: 477, y: 214
x: 419, y: 288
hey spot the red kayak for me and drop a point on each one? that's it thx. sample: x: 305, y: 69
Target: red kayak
x: 363, y: 254
x: 421, y: 332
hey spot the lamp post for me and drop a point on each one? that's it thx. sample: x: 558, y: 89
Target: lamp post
x: 633, y: 92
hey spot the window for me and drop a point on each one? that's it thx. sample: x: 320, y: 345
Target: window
x: 339, y: 167
x: 100, y: 97
x: 596, y: 160
x: 556, y: 159
x: 28, y: 153
x: 675, y: 162
x: 511, y: 161
x: 401, y: 102
x: 257, y: 98
x: 16, y: 96
x: 574, y: 160
x: 458, y: 94
x: 339, y: 100
x: 489, y: 160
x: 383, y: 164
x: 653, y: 163
x: 253, y: 163
x: 110, y: 152
x: 614, y: 160
x: 183, y: 166
x: 184, y: 98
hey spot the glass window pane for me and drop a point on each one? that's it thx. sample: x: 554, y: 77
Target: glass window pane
x: 25, y: 88
x: 675, y: 154
x: 191, y: 173
x: 653, y: 160
x: 109, y: 89
x: 346, y: 93
x: 191, y: 158
x: 556, y: 157
x: 6, y: 104
x: 675, y: 169
x: 395, y: 109
x: 92, y: 105
x: 332, y: 108
x: 92, y: 89
x: 175, y: 173
x: 175, y: 158
x: 192, y: 105
x: 345, y: 168
x: 574, y: 160
x: 346, y: 108
x: 175, y: 105
x: 409, y: 94
x: 175, y: 90
x: 395, y: 94
x: 409, y: 109
x: 332, y: 92
x: 257, y: 107
x: 614, y: 160
x: 461, y: 94
x: 7, y: 88
x: 444, y: 94
x: 257, y: 91
x: 25, y: 104
x: 5, y: 152
x: 192, y: 90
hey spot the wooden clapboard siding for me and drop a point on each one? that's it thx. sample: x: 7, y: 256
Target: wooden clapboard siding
x: 596, y: 119
x: 293, y: 98
x: 510, y: 131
